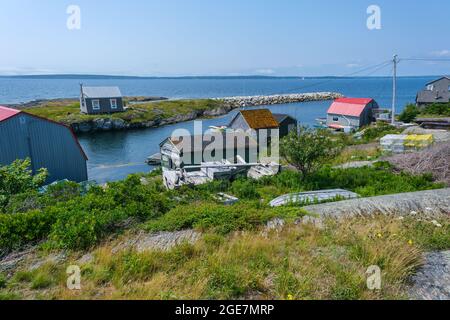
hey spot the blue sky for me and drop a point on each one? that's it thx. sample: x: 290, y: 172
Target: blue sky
x: 221, y: 37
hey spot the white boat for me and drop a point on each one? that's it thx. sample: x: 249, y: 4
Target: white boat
x: 210, y: 171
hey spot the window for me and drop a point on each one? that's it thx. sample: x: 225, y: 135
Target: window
x: 96, y: 104
x: 335, y: 119
x: 430, y: 87
x: 113, y: 103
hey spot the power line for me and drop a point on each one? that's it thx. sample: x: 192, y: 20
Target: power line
x: 426, y: 59
x: 377, y: 68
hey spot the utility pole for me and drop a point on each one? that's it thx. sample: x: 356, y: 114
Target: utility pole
x: 394, y: 91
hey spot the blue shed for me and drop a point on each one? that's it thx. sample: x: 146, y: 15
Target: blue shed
x: 48, y: 144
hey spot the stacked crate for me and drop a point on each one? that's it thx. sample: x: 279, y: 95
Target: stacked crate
x: 399, y: 143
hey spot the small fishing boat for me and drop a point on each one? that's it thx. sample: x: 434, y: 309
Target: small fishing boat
x: 321, y: 123
x: 154, y: 160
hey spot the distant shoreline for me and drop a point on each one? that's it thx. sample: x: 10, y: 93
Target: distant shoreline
x: 205, y: 77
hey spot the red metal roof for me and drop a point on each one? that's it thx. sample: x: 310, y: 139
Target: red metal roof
x: 352, y: 107
x: 335, y: 126
x: 6, y: 113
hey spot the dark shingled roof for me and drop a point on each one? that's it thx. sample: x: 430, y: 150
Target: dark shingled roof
x: 439, y: 95
x: 434, y: 81
x: 260, y: 119
x: 433, y: 97
x: 281, y: 117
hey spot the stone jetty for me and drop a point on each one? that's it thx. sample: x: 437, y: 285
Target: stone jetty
x: 253, y: 101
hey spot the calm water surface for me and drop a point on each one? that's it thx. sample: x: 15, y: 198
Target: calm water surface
x: 114, y: 155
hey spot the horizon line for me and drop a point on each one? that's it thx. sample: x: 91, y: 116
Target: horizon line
x: 251, y: 76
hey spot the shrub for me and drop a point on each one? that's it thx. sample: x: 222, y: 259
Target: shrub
x: 409, y: 114
x: 438, y: 109
x: 245, y: 189
x: 76, y: 222
x: 19, y: 229
x: 18, y: 178
x: 80, y: 229
x: 378, y: 131
x: 218, y: 218
x: 307, y: 149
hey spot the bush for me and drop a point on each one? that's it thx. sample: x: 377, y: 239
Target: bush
x: 307, y: 149
x: 19, y: 229
x: 245, y: 189
x: 80, y: 221
x: 369, y: 182
x: 411, y: 111
x: 378, y: 131
x: 409, y: 114
x: 219, y: 218
x: 18, y: 178
x: 438, y: 109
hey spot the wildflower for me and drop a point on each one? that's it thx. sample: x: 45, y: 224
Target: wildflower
x: 437, y: 224
x: 290, y: 297
x: 410, y: 242
x: 379, y: 235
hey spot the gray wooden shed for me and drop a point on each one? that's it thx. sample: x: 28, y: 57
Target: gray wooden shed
x: 98, y: 100
x: 48, y: 144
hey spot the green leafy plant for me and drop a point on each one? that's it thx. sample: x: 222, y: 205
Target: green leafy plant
x: 307, y: 149
x: 409, y: 114
x: 18, y: 178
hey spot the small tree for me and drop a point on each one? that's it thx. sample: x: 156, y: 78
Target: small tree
x: 409, y: 114
x: 307, y: 149
x: 17, y: 178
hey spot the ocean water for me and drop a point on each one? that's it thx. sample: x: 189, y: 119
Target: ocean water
x: 114, y: 155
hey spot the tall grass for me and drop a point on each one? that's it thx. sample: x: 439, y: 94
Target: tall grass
x: 300, y: 262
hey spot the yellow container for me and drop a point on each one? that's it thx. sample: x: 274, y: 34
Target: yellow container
x: 418, y: 140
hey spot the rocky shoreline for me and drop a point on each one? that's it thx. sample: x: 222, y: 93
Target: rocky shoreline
x: 107, y: 123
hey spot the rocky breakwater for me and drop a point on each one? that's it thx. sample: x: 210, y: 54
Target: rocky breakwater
x: 253, y: 101
x: 108, y: 123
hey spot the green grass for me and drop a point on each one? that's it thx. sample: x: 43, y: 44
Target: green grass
x: 220, y: 219
x: 71, y: 220
x: 69, y: 112
x: 299, y: 262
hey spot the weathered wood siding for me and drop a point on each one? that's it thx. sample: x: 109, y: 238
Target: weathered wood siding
x: 105, y: 106
x: 286, y: 126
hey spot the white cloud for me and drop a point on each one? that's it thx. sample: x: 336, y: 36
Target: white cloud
x: 265, y: 71
x: 352, y: 65
x: 11, y: 71
x: 441, y: 53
